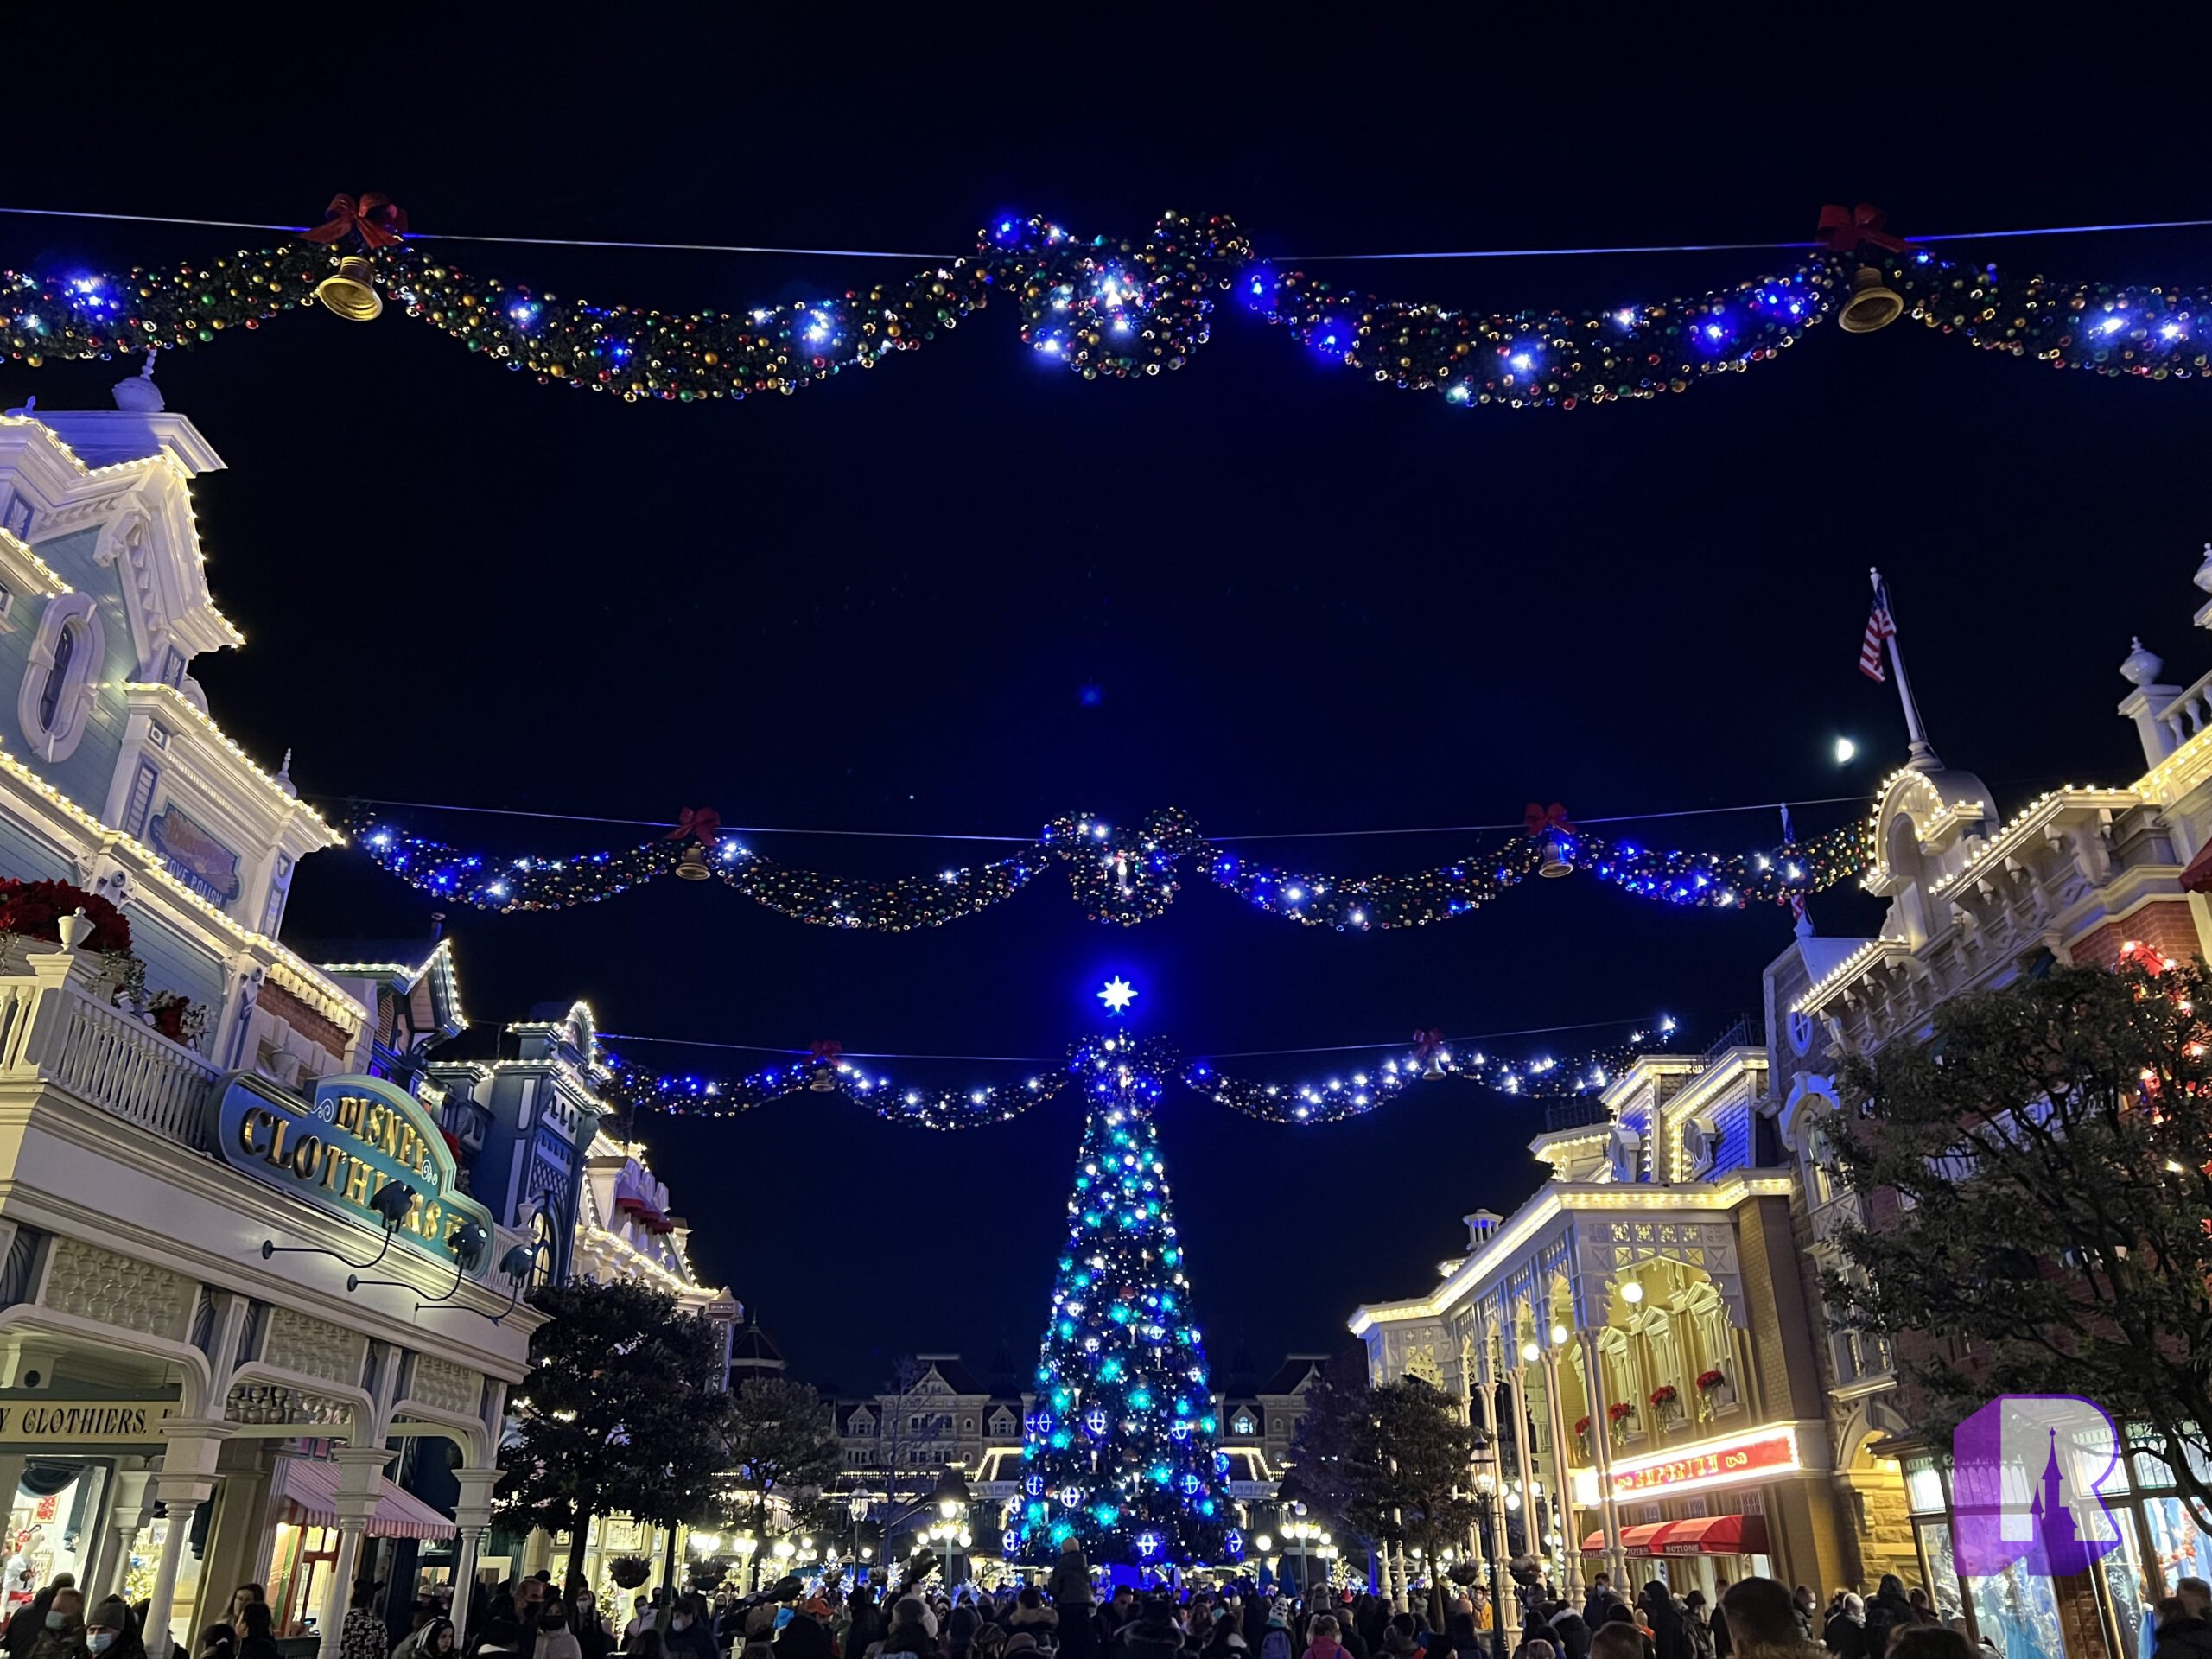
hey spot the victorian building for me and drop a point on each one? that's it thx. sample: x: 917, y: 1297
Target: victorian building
x: 1635, y: 1341
x: 1645, y: 1337
x: 1977, y: 900
x: 241, y: 1278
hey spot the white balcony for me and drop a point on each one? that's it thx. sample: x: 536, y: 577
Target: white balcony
x: 58, y: 1029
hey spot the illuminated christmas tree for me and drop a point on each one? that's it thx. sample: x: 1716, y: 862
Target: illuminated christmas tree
x: 1119, y: 1450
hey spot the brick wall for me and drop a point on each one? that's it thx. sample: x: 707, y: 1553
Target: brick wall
x: 1774, y: 1300
x: 2167, y: 926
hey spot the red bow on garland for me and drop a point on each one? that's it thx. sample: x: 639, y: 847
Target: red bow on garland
x: 376, y: 219
x: 1539, y: 820
x: 826, y: 1053
x: 1426, y: 1043
x: 700, y: 821
x: 1843, y: 229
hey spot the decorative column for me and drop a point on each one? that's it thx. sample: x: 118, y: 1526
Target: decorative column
x: 1517, y: 1396
x: 186, y: 1481
x: 1562, y: 1486
x: 471, y: 1513
x: 361, y: 1484
x: 1601, y: 1441
x: 1495, y: 1547
x: 126, y: 1513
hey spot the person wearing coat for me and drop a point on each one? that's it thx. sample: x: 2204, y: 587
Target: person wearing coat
x: 26, y: 1622
x: 1664, y: 1619
x: 1844, y: 1635
x: 1070, y: 1584
x: 1891, y: 1610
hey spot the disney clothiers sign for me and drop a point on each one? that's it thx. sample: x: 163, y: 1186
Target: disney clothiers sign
x: 335, y: 1150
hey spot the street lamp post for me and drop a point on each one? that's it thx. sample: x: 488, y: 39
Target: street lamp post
x: 747, y: 1546
x: 1485, y: 1459
x: 952, y: 1499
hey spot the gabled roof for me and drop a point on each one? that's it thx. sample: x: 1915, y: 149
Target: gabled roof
x: 1293, y: 1370
x: 956, y: 1375
x: 404, y: 969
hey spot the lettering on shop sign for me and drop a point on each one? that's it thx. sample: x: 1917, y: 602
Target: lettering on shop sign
x: 42, y: 1423
x: 335, y: 1150
x: 1711, y: 1464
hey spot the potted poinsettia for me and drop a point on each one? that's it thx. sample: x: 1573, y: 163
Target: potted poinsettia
x: 1666, y: 1403
x: 1719, y: 1394
x: 177, y: 1017
x: 1582, y: 1437
x: 1621, y: 1415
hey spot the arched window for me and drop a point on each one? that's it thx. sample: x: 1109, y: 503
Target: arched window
x: 57, y: 677
x: 55, y: 704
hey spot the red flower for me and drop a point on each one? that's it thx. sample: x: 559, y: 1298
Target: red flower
x: 1582, y: 1426
x: 35, y: 910
x: 1619, y: 1410
x: 1710, y: 1379
x: 1663, y: 1394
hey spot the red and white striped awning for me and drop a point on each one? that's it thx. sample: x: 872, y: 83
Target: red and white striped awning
x: 309, y: 1489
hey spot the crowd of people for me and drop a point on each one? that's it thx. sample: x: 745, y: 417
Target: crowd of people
x: 1067, y: 1618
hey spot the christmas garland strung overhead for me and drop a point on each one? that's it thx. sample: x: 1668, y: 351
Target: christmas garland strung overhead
x: 1113, y: 310
x: 1348, y: 1093
x: 1121, y: 874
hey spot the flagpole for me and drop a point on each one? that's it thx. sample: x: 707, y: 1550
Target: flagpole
x: 1923, y: 758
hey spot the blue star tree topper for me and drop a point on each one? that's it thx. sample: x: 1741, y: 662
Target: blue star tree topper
x: 1118, y: 994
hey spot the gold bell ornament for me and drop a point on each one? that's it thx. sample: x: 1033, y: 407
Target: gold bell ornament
x: 1553, y: 861
x: 1873, y: 303
x: 692, y: 867
x: 350, y: 290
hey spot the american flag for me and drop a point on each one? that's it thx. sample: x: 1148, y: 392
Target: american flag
x: 1879, y: 627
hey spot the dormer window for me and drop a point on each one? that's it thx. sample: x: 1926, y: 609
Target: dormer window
x: 55, y: 703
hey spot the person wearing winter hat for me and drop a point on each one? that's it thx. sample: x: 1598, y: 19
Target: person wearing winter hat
x: 111, y: 1633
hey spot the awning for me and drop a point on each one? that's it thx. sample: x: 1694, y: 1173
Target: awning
x: 309, y: 1489
x: 1641, y: 1541
x: 2197, y: 877
x: 1713, y: 1534
x: 1595, y: 1543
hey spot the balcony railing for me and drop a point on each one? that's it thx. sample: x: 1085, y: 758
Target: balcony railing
x: 55, y: 1028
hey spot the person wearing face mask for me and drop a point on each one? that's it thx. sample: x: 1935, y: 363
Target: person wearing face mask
x: 111, y: 1633
x: 690, y: 1635
x: 584, y: 1621
x: 61, y: 1632
x: 27, y: 1621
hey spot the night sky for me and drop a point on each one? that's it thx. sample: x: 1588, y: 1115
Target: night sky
x: 1307, y: 602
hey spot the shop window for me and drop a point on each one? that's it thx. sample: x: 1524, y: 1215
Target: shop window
x: 1941, y: 1577
x: 1923, y: 1487
x: 2016, y: 1612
